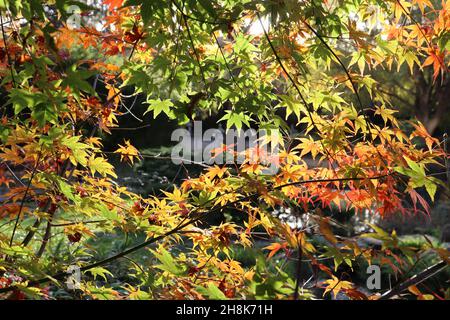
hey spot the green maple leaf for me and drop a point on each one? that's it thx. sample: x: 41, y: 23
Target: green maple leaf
x: 158, y: 106
x: 236, y: 119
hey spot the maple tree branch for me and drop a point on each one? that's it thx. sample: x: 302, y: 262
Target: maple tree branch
x: 350, y: 79
x: 415, y: 280
x: 277, y: 57
x: 193, y: 47
x: 415, y: 22
x: 13, y: 174
x: 77, y: 222
x: 181, y: 226
x: 176, y: 28
x: 132, y: 128
x: 307, y: 106
x: 38, y: 221
x: 48, y: 228
x: 60, y: 275
x: 334, y: 180
x: 396, y: 96
x: 226, y: 63
x: 46, y: 237
x: 33, y: 230
x: 22, y: 203
x: 299, y: 270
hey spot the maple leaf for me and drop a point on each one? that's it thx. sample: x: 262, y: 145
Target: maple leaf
x: 113, y: 94
x: 176, y: 196
x: 274, y: 248
x: 323, y: 267
x: 436, y: 58
x: 11, y: 210
x: 355, y: 294
x: 422, y: 3
x: 113, y: 4
x: 134, y: 35
x: 386, y: 114
x: 307, y: 146
x: 293, y: 173
x: 216, y: 152
x: 4, y: 180
x: 158, y: 106
x: 417, y: 197
x: 336, y: 285
x: 101, y: 166
x: 94, y: 141
x: 127, y: 151
x: 236, y: 119
x: 252, y: 168
x: 216, y: 171
x: 304, y: 244
x: 421, y: 131
x: 79, y: 152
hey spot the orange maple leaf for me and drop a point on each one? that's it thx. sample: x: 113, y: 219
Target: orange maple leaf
x: 274, y: 248
x: 113, y: 4
x: 437, y: 59
x: 127, y: 152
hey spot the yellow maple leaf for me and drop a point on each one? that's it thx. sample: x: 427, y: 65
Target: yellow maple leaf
x: 176, y: 196
x: 127, y: 152
x: 308, y: 145
x: 216, y: 171
x: 336, y: 285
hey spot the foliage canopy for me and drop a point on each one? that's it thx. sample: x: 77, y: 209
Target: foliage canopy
x: 263, y: 64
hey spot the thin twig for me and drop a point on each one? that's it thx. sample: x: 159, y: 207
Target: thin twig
x: 23, y: 199
x: 415, y: 280
x: 187, y: 221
